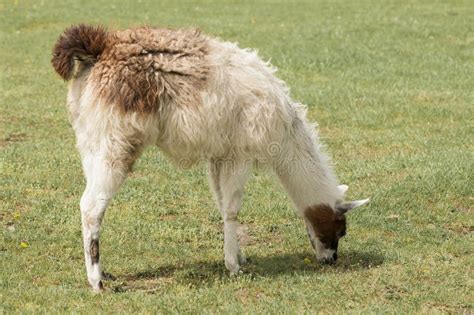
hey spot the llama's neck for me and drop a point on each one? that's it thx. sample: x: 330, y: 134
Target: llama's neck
x: 306, y: 173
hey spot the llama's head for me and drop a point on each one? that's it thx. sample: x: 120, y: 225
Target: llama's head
x: 326, y: 226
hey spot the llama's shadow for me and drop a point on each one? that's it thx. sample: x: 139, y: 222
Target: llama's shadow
x: 205, y: 273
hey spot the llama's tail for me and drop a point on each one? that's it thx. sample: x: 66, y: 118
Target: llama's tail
x: 82, y: 43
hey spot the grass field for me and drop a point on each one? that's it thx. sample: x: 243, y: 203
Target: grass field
x: 391, y: 84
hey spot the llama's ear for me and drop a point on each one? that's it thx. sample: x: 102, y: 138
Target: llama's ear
x: 343, y: 207
x: 343, y: 189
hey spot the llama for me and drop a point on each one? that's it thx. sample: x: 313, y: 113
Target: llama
x: 196, y: 98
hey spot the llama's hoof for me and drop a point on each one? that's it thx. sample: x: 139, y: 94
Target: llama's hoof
x: 233, y: 267
x: 98, y: 288
x: 235, y: 273
x: 242, y: 259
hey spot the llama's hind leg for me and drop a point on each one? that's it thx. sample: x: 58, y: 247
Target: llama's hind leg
x: 232, y: 180
x: 105, y: 174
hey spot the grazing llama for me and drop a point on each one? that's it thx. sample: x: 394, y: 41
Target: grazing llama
x: 196, y: 98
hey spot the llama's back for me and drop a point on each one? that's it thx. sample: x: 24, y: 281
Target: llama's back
x: 245, y: 111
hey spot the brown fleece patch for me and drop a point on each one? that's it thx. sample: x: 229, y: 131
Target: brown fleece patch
x: 143, y: 68
x: 94, y: 251
x: 81, y: 42
x: 327, y: 224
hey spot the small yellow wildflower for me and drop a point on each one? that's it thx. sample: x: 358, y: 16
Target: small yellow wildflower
x: 307, y: 261
x: 24, y: 244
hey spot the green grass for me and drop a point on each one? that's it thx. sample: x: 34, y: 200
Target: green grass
x: 391, y: 86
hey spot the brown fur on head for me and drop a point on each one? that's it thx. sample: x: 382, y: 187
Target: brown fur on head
x: 329, y: 225
x: 83, y: 43
x: 326, y: 225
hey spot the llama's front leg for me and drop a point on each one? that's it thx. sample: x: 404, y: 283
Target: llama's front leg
x: 214, y: 183
x: 232, y: 182
x: 214, y: 176
x: 103, y: 181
